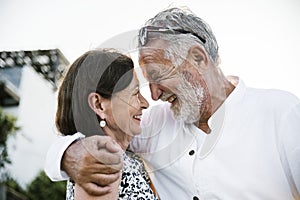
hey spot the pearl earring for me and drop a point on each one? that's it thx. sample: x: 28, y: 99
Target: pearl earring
x: 102, y: 123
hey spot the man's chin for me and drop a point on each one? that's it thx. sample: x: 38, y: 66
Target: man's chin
x: 184, y: 117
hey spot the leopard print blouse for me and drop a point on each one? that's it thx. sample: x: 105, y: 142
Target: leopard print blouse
x: 135, y: 182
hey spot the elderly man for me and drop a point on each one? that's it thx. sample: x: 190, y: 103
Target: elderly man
x: 215, y: 139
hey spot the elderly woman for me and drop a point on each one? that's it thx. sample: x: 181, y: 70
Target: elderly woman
x: 100, y: 94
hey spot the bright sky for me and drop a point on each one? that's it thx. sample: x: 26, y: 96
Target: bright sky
x: 259, y: 40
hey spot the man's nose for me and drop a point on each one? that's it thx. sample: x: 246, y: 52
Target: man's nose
x: 156, y: 92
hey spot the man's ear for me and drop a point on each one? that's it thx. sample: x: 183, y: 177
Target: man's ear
x: 197, y: 56
x: 96, y: 102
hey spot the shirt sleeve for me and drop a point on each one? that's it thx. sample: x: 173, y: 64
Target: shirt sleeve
x: 290, y: 140
x: 54, y: 156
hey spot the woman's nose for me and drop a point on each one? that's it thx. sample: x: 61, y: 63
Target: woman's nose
x: 143, y: 101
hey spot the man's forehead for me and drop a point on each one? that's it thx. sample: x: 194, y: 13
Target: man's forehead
x: 153, y: 56
x: 154, y: 45
x: 151, y: 51
x: 156, y: 66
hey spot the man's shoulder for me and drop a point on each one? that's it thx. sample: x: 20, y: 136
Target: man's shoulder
x: 271, y: 99
x: 276, y: 95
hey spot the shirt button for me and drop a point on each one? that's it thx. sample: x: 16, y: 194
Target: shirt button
x: 191, y: 152
x: 195, y: 198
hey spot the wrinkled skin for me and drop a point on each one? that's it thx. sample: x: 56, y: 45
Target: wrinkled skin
x: 94, y: 163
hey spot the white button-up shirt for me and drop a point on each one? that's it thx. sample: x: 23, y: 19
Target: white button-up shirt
x: 255, y: 137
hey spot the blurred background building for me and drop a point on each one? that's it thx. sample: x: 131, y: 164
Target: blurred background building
x: 30, y: 78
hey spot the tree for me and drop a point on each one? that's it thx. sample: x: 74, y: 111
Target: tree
x: 14, y: 190
x: 7, y: 127
x: 42, y: 188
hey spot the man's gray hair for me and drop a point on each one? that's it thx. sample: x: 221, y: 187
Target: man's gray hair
x: 183, y: 19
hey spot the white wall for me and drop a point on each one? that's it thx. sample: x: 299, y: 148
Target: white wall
x: 36, y: 114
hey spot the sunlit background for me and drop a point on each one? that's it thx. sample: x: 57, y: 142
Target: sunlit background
x: 259, y: 42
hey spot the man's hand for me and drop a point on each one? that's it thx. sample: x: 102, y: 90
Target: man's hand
x: 93, y: 163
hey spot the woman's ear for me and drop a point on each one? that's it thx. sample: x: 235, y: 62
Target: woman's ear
x: 96, y: 104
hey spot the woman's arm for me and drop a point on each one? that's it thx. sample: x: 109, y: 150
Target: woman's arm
x: 93, y: 162
x: 80, y: 193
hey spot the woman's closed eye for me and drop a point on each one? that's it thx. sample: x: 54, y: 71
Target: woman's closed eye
x: 136, y: 93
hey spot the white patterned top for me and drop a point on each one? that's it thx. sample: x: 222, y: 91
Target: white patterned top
x: 135, y: 182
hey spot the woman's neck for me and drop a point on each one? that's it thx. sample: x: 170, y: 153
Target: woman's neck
x: 123, y: 139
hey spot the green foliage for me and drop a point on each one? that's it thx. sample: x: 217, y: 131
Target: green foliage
x: 13, y: 184
x: 7, y: 127
x: 42, y: 188
x: 14, y: 190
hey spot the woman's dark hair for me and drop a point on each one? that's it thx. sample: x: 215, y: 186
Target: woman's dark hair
x: 104, y: 71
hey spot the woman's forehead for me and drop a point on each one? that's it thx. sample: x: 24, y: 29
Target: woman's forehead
x: 133, y: 84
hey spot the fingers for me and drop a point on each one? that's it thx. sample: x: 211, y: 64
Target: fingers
x: 103, y: 180
x: 99, y: 184
x: 112, y: 146
x: 105, y: 169
x: 107, y: 158
x: 104, y: 142
x: 94, y: 163
x: 94, y: 174
x: 95, y: 190
x: 103, y: 149
x: 95, y: 167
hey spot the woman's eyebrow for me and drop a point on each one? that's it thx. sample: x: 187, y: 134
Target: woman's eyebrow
x: 133, y: 88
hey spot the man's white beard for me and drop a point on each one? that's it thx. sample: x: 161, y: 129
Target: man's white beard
x: 190, y: 100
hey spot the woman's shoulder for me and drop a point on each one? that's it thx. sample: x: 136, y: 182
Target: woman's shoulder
x: 135, y: 180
